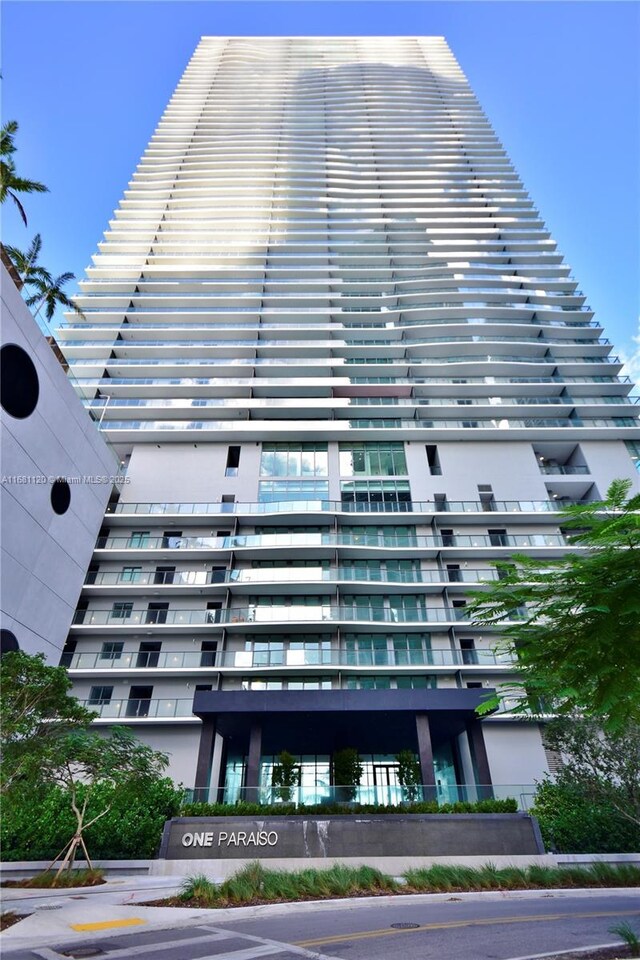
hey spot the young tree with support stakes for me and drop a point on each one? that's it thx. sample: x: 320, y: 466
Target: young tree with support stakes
x: 577, y: 646
x: 82, y: 760
x: 35, y: 711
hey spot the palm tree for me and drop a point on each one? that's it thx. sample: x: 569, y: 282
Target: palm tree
x: 27, y: 265
x: 10, y: 183
x: 50, y: 295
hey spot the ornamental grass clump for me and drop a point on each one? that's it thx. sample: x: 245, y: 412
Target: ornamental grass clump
x: 244, y: 886
x: 73, y: 878
x: 199, y: 887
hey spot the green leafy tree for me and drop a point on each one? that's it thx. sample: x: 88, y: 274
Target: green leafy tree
x: 10, y: 183
x: 593, y: 801
x: 409, y: 775
x: 81, y: 762
x: 38, y: 822
x: 285, y: 776
x: 577, y: 644
x: 35, y: 711
x: 347, y: 772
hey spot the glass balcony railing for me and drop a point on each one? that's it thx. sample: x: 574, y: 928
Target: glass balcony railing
x: 249, y: 508
x: 503, y: 423
x: 141, y: 707
x: 563, y: 469
x: 273, y: 575
x: 242, y: 660
x: 379, y: 794
x: 303, y: 540
x: 247, y: 659
x: 309, y: 345
x: 263, y: 613
x: 327, y: 364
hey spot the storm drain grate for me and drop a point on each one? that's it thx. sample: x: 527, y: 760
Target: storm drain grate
x: 79, y: 953
x: 405, y: 926
x: 49, y: 906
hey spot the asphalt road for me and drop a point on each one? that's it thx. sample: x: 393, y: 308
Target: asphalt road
x: 484, y: 929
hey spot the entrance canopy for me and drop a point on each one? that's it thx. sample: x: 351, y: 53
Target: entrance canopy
x: 322, y: 721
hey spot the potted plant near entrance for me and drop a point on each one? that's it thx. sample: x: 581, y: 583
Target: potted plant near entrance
x: 285, y: 776
x: 347, y: 772
x: 409, y: 776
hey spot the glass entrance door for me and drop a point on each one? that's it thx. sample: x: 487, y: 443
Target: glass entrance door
x: 385, y: 782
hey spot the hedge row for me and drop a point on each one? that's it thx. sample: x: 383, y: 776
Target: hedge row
x: 36, y: 827
x: 345, y: 809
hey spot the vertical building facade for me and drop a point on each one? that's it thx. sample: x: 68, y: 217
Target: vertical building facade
x: 349, y: 370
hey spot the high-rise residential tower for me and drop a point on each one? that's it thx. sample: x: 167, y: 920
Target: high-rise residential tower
x: 349, y: 370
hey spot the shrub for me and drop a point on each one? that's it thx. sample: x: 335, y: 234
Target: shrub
x: 37, y: 826
x: 241, y: 809
x: 347, y: 771
x: 571, y: 822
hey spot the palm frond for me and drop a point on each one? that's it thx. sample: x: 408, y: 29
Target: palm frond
x: 7, y: 133
x: 27, y: 186
x: 21, y: 209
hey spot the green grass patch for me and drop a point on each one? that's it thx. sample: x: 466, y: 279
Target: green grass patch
x: 255, y: 883
x: 47, y: 879
x: 451, y: 878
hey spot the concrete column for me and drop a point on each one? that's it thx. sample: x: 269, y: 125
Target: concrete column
x: 252, y: 780
x: 425, y: 754
x: 216, y: 766
x: 480, y: 759
x: 203, y: 765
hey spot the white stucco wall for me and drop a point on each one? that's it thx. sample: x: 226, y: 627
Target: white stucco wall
x: 44, y: 554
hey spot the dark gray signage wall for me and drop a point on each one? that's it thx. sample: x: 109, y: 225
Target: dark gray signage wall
x: 410, y: 835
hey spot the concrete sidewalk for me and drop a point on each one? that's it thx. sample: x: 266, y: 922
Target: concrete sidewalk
x: 115, y: 908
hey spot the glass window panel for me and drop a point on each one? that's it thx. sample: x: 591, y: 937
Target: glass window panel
x: 280, y: 461
x: 321, y: 463
x: 267, y: 463
x: 121, y: 611
x: 294, y: 463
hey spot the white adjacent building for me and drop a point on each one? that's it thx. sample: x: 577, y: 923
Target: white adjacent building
x: 56, y: 479
x: 348, y: 369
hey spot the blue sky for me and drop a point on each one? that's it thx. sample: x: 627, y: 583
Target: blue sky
x: 88, y: 81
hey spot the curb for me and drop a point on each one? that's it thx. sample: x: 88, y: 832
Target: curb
x: 348, y: 903
x: 567, y: 953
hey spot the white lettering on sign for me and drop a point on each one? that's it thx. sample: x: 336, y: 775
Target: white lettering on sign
x: 256, y: 838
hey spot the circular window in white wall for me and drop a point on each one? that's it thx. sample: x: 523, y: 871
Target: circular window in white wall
x: 8, y: 641
x: 60, y: 496
x: 19, y: 384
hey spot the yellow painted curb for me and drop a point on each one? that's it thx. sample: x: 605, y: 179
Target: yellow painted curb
x: 108, y: 924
